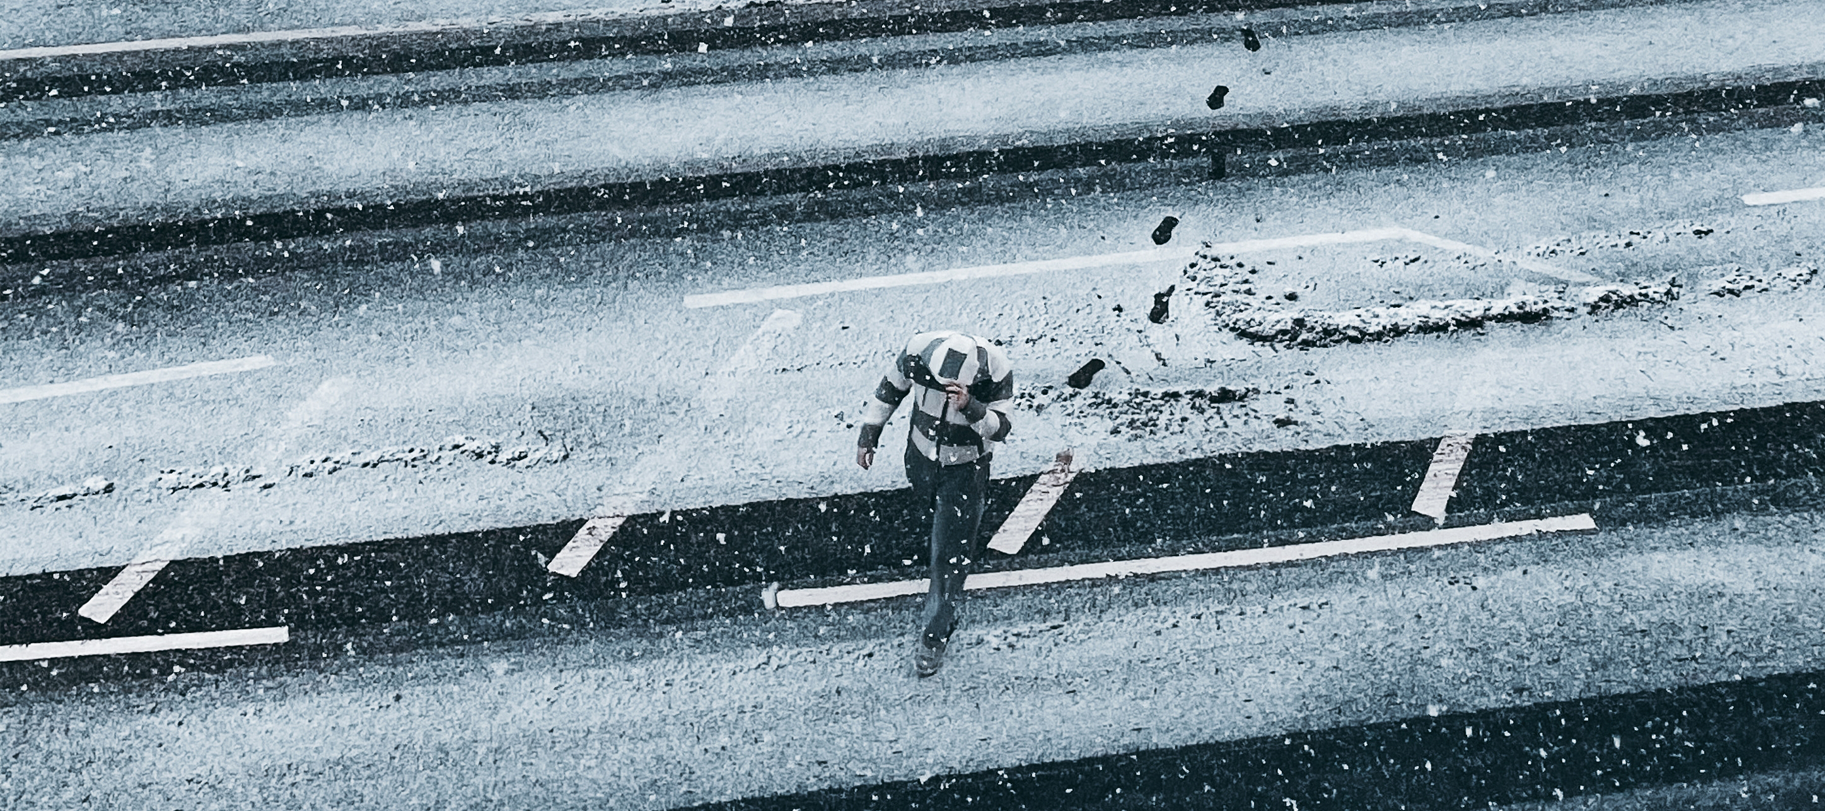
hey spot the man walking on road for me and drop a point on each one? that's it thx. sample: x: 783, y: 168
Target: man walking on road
x: 960, y: 414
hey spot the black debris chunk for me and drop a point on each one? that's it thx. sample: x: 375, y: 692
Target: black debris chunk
x: 1162, y: 303
x: 1216, y: 97
x: 1081, y: 378
x: 1249, y: 40
x: 1163, y: 234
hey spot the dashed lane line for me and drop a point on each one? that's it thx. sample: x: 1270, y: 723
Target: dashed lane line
x: 1441, y: 476
x: 831, y: 595
x: 1772, y: 198
x: 787, y: 291
x: 203, y: 515
x: 120, y: 381
x: 32, y: 651
x: 1150, y: 256
x: 1146, y: 257
x: 1038, y: 501
x: 660, y: 458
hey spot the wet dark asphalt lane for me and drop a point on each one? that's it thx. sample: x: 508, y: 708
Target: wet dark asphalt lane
x: 1540, y: 752
x: 690, y: 564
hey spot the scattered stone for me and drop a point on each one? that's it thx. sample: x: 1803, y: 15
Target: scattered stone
x: 1162, y: 304
x: 1136, y: 410
x: 1163, y: 234
x: 1250, y: 41
x: 1738, y: 280
x: 1581, y: 244
x: 1082, y: 377
x: 1215, y: 102
x: 1284, y: 421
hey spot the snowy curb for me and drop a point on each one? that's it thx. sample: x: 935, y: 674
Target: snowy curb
x: 1232, y: 297
x: 456, y: 449
x: 92, y: 486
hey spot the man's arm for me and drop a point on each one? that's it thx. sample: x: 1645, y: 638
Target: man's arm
x: 990, y: 400
x: 887, y: 397
x: 990, y: 418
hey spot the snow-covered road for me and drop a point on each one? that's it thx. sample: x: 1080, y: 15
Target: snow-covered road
x: 581, y: 351
x: 348, y: 460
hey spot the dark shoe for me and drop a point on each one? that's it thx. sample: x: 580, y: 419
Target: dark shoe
x: 928, y: 659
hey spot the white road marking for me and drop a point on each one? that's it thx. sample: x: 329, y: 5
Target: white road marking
x: 144, y: 644
x: 1441, y: 476
x: 214, y: 367
x: 1770, y: 198
x: 831, y: 595
x: 1034, y: 506
x: 1150, y: 256
x: 128, y: 581
x: 1477, y: 250
x: 203, y: 515
x: 1146, y: 257
x: 656, y: 461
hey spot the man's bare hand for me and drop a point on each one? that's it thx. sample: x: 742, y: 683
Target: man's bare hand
x: 864, y: 457
x: 957, y: 394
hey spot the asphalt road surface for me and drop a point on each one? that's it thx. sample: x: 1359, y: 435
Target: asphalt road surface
x: 1517, y: 507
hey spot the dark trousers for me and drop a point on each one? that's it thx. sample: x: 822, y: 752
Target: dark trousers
x: 954, y: 494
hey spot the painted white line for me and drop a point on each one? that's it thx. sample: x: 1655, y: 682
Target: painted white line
x: 1152, y: 256
x: 1771, y: 198
x: 126, y: 583
x: 1477, y: 250
x: 204, y: 514
x: 1042, y: 266
x: 1184, y: 563
x: 1441, y: 476
x: 144, y: 644
x: 589, y: 540
x: 214, y: 367
x: 658, y: 459
x: 1034, y: 506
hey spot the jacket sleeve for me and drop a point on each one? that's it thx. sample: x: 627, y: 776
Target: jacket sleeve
x: 887, y: 396
x: 989, y: 405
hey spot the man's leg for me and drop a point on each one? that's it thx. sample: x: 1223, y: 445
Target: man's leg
x: 955, y: 520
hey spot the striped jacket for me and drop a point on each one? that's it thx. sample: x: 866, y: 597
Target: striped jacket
x: 967, y: 434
